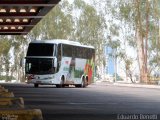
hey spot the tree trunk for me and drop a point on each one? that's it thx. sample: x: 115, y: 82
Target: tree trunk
x: 146, y: 45
x: 142, y: 49
x: 141, y: 57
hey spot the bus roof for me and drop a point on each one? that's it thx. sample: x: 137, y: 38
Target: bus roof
x: 58, y: 41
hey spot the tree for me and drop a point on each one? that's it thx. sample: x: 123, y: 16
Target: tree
x: 19, y: 44
x: 57, y: 24
x: 90, y: 30
x: 5, y: 56
x: 133, y: 12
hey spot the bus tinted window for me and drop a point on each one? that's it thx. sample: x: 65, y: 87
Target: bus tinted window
x: 77, y: 51
x: 67, y: 50
x: 40, y: 49
x: 59, y: 52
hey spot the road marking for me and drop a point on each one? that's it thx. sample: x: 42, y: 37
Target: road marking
x: 74, y: 103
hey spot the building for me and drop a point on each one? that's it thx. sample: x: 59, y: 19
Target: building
x: 110, y: 60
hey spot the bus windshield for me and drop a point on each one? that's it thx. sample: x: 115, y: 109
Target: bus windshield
x: 40, y: 49
x: 39, y: 66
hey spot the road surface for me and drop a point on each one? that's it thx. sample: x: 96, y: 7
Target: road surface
x: 96, y: 102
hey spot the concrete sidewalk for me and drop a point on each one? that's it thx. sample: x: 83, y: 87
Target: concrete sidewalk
x: 136, y: 85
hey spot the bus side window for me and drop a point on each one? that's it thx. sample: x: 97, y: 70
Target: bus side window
x: 59, y: 52
x: 67, y: 50
x: 59, y: 56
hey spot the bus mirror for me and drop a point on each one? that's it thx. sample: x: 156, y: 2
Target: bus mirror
x: 55, y: 62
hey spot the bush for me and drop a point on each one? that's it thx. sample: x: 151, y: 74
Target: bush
x: 118, y: 77
x: 7, y: 78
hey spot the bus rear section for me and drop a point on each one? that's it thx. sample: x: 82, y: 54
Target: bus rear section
x: 78, y: 63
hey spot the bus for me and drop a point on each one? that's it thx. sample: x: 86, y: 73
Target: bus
x: 59, y: 62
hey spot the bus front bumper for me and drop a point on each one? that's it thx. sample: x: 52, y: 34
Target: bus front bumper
x: 42, y: 82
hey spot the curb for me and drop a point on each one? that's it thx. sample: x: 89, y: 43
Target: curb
x: 11, y: 102
x: 128, y: 85
x: 6, y: 94
x: 138, y: 85
x: 21, y: 114
x: 12, y: 108
x: 2, y: 89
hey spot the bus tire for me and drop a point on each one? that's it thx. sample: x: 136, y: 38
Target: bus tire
x: 84, y: 82
x: 61, y: 85
x: 82, y: 85
x: 66, y: 85
x: 58, y: 86
x: 78, y: 86
x: 36, y: 85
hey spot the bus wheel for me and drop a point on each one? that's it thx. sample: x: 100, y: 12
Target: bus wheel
x: 82, y: 85
x: 77, y: 86
x: 58, y: 86
x: 36, y: 85
x: 61, y: 84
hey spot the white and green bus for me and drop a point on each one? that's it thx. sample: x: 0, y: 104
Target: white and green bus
x: 59, y: 62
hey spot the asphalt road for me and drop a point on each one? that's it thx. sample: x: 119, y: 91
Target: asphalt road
x: 96, y: 102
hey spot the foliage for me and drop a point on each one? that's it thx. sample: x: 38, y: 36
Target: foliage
x: 118, y: 77
x: 58, y: 24
x: 139, y: 28
x: 8, y: 78
x: 5, y: 46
